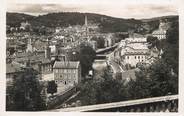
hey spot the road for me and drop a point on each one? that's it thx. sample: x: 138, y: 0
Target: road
x: 111, y: 61
x: 115, y: 66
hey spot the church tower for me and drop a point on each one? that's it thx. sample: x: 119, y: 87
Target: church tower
x: 86, y: 20
x: 47, y: 50
x: 86, y: 24
x: 29, y: 46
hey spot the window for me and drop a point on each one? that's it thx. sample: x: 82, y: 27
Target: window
x: 135, y: 57
x: 127, y: 57
x: 138, y: 57
x: 56, y: 70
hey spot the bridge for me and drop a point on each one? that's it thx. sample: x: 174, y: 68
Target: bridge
x: 107, y: 49
x: 155, y: 104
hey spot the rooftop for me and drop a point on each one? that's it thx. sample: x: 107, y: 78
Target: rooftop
x: 66, y: 64
x: 23, y: 57
x: 138, y: 46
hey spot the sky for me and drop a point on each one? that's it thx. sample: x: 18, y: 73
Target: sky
x: 119, y: 8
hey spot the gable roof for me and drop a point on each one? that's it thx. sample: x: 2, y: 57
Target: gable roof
x: 66, y: 64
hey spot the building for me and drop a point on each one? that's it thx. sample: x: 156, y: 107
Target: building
x: 39, y: 60
x: 12, y: 70
x: 160, y: 33
x: 92, y: 44
x: 45, y: 66
x: 133, y: 56
x: 67, y: 73
x: 133, y: 51
x: 109, y: 40
x: 30, y: 47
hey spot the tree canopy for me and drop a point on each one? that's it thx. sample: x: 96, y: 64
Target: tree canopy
x: 52, y: 87
x: 104, y: 89
x: 26, y: 92
x: 100, y: 42
x: 86, y: 57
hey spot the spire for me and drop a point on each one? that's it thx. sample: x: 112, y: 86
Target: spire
x: 86, y: 20
x: 86, y: 24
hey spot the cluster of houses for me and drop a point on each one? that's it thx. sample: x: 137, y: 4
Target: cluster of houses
x: 49, y: 55
x: 134, y: 50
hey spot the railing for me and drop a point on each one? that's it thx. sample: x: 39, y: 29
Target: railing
x: 165, y: 103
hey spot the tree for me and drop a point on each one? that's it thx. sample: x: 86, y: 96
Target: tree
x: 26, y: 92
x: 153, y: 41
x: 86, y: 57
x: 163, y: 81
x: 103, y: 89
x: 52, y: 87
x: 111, y: 90
x: 139, y: 88
x: 171, y: 49
x: 100, y: 41
x: 157, y: 80
x: 88, y: 93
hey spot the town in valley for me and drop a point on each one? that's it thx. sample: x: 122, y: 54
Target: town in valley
x: 70, y: 61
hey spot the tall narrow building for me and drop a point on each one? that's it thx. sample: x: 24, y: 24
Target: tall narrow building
x: 29, y: 46
x: 86, y: 24
x: 86, y: 20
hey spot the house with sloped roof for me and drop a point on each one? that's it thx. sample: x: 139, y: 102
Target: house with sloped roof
x: 67, y: 73
x: 12, y: 70
x: 160, y: 33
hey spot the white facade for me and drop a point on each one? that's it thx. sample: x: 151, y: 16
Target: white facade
x: 133, y: 59
x: 160, y: 34
x: 134, y: 50
x: 133, y: 56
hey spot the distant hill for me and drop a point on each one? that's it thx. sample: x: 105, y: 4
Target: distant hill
x: 14, y: 19
x: 169, y: 18
x: 64, y: 19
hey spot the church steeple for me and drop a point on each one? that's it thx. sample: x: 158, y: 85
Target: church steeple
x: 86, y: 20
x: 86, y: 24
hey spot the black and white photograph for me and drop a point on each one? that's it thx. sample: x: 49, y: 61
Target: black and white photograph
x: 79, y: 56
